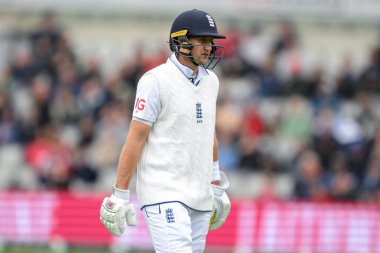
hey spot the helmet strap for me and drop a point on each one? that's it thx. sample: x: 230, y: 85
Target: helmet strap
x: 188, y: 56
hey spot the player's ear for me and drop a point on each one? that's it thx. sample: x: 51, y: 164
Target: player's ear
x: 185, y: 43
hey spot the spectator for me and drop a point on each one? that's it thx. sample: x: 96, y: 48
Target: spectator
x: 366, y: 113
x: 349, y: 135
x: 255, y: 46
x: 250, y: 156
x: 112, y: 127
x: 23, y: 68
x: 371, y: 182
x: 323, y: 141
x: 132, y: 71
x: 285, y: 38
x: 85, y: 174
x: 374, y: 145
x: 67, y: 78
x: 270, y: 85
x: 346, y: 80
x: 228, y: 123
x: 310, y: 181
x: 295, y: 122
x: 91, y: 97
x: 343, y: 184
x: 64, y: 107
x: 50, y: 159
x: 293, y: 131
x: 369, y: 79
x: 8, y: 128
x: 44, y: 40
x: 41, y: 92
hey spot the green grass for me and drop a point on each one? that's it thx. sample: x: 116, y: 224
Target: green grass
x: 28, y: 249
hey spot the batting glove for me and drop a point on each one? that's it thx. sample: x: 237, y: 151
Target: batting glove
x: 222, y: 204
x: 115, y: 210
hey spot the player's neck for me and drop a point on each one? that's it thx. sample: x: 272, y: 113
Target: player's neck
x: 188, y: 63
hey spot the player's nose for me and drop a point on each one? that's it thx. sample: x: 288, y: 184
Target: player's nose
x: 207, y: 48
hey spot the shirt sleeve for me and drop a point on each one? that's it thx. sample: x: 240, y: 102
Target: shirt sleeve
x: 147, y: 103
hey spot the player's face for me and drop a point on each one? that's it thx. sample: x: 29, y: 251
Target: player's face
x: 202, y: 49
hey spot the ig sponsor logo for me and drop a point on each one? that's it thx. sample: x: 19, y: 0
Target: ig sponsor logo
x: 140, y: 104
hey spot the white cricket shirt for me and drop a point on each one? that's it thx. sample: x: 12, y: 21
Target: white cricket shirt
x: 176, y: 162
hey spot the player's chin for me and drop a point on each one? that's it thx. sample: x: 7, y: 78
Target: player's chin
x: 203, y: 60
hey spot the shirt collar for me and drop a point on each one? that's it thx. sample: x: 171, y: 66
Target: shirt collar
x: 188, y: 72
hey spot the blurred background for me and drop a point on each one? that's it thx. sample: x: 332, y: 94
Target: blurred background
x: 298, y: 120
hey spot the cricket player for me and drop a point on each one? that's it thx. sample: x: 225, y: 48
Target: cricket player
x: 173, y: 145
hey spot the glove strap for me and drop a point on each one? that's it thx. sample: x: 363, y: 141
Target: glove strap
x: 123, y: 194
x: 224, y: 184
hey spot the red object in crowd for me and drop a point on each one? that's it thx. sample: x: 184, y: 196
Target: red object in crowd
x: 253, y: 125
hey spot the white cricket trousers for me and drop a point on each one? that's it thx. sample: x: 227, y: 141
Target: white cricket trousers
x: 175, y: 228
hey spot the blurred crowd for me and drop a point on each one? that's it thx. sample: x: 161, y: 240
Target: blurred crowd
x: 275, y: 117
